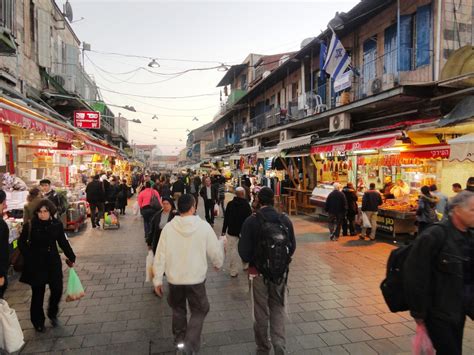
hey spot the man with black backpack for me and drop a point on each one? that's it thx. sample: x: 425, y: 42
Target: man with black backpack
x: 438, y: 276
x: 267, y: 243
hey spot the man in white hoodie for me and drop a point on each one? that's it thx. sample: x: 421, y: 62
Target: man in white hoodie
x: 185, y: 243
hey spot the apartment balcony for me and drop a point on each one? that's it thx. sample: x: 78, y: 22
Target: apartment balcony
x: 74, y: 80
x: 234, y: 96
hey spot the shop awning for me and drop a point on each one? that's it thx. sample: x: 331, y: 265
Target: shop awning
x: 426, y: 152
x: 462, y: 148
x: 464, y: 110
x: 249, y: 150
x: 28, y: 119
x: 98, y: 148
x: 268, y: 153
x: 234, y: 157
x: 295, y: 142
x: 370, y: 142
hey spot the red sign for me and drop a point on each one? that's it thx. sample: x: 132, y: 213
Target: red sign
x: 87, y: 119
x: 433, y: 152
x: 376, y: 142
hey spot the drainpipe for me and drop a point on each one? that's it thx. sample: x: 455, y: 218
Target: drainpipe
x: 438, y: 41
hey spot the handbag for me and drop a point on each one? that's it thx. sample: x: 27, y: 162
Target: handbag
x: 155, y: 202
x: 11, y: 335
x: 17, y: 259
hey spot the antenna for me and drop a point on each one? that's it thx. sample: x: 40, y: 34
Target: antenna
x: 67, y: 11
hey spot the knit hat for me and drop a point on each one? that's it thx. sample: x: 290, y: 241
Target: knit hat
x: 266, y: 196
x: 170, y: 200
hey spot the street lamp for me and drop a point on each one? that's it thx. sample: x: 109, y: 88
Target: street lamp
x: 155, y: 117
x: 222, y: 67
x: 154, y: 64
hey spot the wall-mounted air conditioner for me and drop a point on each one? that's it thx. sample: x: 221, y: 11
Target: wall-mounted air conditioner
x: 340, y: 122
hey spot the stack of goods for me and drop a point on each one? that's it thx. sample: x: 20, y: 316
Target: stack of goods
x: 394, y: 205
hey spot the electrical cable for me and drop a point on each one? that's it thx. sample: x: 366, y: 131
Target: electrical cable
x: 159, y: 97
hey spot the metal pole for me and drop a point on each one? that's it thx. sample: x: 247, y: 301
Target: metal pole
x: 398, y: 41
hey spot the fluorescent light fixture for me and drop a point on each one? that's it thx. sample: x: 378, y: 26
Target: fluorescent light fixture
x: 393, y: 149
x: 365, y: 151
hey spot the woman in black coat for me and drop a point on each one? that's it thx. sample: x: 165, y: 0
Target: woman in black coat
x: 42, y: 264
x: 352, y: 210
x: 158, y: 223
x: 122, y: 196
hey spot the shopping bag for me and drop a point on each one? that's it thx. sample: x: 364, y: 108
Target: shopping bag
x: 136, y: 209
x: 421, y: 342
x: 75, y: 291
x: 11, y: 335
x: 149, y: 267
x: 216, y: 210
x: 365, y: 221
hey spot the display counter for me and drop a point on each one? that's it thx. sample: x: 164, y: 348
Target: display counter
x: 397, y: 217
x: 319, y: 196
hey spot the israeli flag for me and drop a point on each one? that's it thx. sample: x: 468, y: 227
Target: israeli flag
x: 337, y: 59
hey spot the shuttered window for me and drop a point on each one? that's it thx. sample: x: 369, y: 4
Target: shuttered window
x: 7, y: 14
x: 390, y: 50
x: 406, y: 43
x: 423, y: 35
x: 44, y: 38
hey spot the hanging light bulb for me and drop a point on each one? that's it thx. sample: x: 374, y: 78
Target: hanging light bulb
x: 223, y: 67
x: 154, y: 64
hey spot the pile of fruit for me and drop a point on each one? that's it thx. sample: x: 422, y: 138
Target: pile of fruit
x: 394, y: 205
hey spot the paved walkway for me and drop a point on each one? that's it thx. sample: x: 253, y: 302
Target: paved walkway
x: 335, y: 304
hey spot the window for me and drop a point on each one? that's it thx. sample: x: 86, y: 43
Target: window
x: 7, y: 14
x: 423, y: 35
x: 390, y: 50
x: 369, y: 69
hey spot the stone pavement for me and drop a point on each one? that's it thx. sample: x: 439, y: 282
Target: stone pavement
x: 335, y: 306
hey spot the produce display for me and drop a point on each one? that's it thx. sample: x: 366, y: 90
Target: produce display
x: 395, y: 205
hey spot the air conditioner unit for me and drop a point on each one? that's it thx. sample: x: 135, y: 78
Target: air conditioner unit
x: 340, y: 122
x: 388, y: 81
x: 256, y: 142
x: 285, y: 135
x: 59, y: 79
x: 375, y: 86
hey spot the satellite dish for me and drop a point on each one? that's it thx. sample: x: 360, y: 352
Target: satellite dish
x: 306, y: 41
x: 67, y: 11
x: 283, y: 59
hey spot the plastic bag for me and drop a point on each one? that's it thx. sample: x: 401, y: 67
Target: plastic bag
x: 75, y: 291
x: 11, y: 335
x: 421, y: 342
x: 216, y: 210
x: 366, y: 221
x: 149, y: 267
x: 136, y: 209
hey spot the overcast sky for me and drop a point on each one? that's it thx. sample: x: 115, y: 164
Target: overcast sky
x: 212, y: 32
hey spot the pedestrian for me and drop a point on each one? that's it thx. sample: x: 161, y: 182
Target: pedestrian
x: 370, y: 206
x: 42, y: 264
x: 268, y: 296
x: 111, y: 195
x: 178, y: 188
x: 194, y: 188
x: 53, y: 196
x: 401, y: 190
x: 145, y: 203
x: 122, y: 196
x: 235, y: 215
x: 438, y: 276
x: 166, y: 188
x: 470, y: 184
x: 221, y: 193
x: 185, y: 244
x: 457, y: 188
x: 352, y: 209
x: 442, y: 205
x: 209, y: 194
x: 4, y: 246
x: 426, y: 212
x: 95, y: 196
x: 33, y: 198
x: 336, y: 208
x: 158, y: 222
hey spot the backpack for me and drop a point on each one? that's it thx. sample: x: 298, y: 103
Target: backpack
x: 154, y: 202
x: 273, y: 250
x: 392, y: 285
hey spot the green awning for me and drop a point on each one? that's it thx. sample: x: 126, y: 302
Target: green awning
x: 7, y: 43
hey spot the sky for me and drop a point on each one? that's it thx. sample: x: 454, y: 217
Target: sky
x: 184, y: 35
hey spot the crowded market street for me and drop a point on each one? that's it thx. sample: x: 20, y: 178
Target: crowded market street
x: 335, y: 306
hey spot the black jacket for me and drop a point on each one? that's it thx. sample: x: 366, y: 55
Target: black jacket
x: 250, y: 233
x: 214, y: 193
x: 153, y: 237
x: 434, y: 274
x: 351, y: 197
x: 42, y: 261
x: 426, y: 211
x: 4, y: 248
x: 179, y: 186
x: 95, y: 192
x: 371, y: 201
x: 111, y: 193
x: 336, y: 203
x: 122, y: 196
x: 235, y: 215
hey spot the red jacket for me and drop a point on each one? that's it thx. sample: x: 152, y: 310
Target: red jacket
x: 144, y: 197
